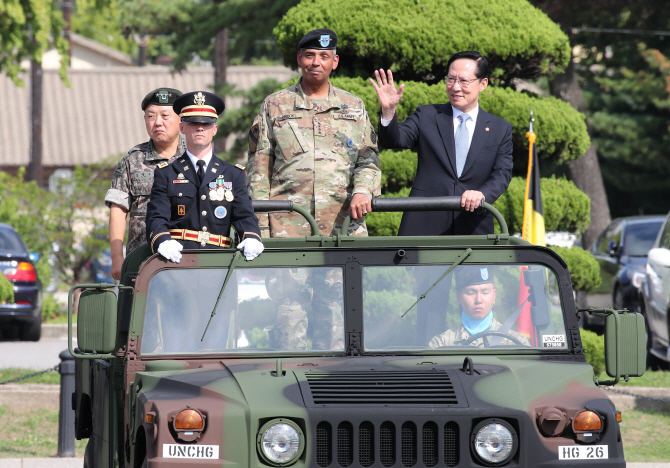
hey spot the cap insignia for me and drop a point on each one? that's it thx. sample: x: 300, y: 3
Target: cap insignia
x: 163, y: 96
x: 324, y: 40
x: 199, y: 99
x: 485, y: 273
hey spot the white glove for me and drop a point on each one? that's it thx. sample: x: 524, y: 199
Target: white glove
x: 252, y: 248
x: 171, y: 250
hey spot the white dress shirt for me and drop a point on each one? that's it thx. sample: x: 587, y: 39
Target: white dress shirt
x: 194, y: 160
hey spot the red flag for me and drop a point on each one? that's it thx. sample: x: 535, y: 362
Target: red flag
x: 524, y: 322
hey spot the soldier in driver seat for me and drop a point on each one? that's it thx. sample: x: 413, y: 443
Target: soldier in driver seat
x: 476, y: 295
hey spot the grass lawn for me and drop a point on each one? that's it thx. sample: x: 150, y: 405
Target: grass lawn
x: 644, y: 435
x: 649, y: 379
x: 9, y: 373
x: 31, y: 434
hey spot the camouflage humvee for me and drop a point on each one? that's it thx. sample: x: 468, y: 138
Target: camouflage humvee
x: 328, y: 352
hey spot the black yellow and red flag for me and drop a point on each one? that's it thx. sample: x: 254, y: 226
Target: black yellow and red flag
x: 533, y: 217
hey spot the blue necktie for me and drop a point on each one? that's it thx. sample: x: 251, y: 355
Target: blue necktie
x: 462, y: 140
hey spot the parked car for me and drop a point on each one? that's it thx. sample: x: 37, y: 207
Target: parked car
x: 18, y: 266
x: 101, y: 268
x: 621, y: 250
x: 656, y: 294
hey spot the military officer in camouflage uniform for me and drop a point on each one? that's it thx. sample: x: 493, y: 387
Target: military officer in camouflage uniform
x: 476, y: 295
x: 313, y: 144
x: 134, y: 175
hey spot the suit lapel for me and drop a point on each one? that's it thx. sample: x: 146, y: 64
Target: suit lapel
x: 183, y: 166
x: 445, y: 125
x: 214, y: 169
x: 479, y: 138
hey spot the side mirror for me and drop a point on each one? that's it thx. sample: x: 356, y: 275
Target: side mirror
x: 34, y: 256
x: 659, y: 256
x: 96, y: 321
x: 625, y: 346
x: 612, y: 248
x: 539, y: 309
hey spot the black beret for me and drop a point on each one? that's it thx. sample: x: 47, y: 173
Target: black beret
x: 161, y: 97
x: 199, y: 107
x: 471, y: 275
x: 320, y: 39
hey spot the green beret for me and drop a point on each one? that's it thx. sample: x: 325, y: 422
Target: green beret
x: 199, y: 107
x: 161, y: 97
x: 473, y: 274
x: 320, y: 39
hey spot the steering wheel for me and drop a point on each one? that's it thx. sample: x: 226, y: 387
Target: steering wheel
x: 476, y: 336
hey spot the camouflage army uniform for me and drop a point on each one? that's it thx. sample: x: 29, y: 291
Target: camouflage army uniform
x: 449, y: 337
x: 317, y: 153
x: 131, y: 186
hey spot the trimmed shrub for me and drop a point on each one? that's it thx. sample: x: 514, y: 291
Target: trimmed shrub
x: 415, y: 39
x: 594, y: 347
x: 6, y: 290
x: 50, y: 308
x: 583, y: 266
x: 565, y: 207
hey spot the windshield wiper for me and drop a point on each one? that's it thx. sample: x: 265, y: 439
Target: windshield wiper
x: 231, y: 268
x: 466, y: 254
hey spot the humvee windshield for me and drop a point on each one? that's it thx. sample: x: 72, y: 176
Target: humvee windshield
x: 301, y: 309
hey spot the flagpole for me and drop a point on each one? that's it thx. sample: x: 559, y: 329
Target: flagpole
x: 531, y: 140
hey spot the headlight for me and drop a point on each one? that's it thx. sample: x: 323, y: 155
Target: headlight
x: 494, y: 442
x: 280, y: 442
x: 636, y: 278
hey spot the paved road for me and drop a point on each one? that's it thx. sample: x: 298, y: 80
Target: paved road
x: 31, y: 355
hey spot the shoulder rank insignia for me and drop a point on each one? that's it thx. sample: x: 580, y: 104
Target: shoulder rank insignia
x: 163, y: 164
x: 239, y: 166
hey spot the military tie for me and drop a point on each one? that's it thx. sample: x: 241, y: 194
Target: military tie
x: 201, y: 169
x: 462, y: 140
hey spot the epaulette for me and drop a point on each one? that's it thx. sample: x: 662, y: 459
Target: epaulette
x: 239, y: 166
x: 163, y: 164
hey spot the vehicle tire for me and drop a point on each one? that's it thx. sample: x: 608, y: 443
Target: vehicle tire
x: 617, y: 299
x: 31, y: 331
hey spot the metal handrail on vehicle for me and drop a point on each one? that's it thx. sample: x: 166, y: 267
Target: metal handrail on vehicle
x: 381, y: 205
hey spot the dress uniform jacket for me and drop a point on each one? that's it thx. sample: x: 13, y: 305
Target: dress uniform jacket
x: 180, y: 201
x: 488, y: 167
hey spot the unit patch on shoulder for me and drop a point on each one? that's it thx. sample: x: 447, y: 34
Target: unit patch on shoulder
x: 163, y: 164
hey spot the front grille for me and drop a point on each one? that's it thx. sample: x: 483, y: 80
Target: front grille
x: 418, y: 446
x: 380, y: 388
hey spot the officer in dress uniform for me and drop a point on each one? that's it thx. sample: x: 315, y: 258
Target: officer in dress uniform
x: 195, y: 199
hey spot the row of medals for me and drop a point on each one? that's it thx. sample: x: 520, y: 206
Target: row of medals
x: 218, y: 191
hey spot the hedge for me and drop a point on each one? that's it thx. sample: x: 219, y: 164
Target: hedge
x: 6, y: 290
x: 564, y: 206
x: 594, y: 347
x: 585, y: 269
x: 416, y: 38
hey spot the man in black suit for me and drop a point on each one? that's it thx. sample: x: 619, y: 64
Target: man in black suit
x: 196, y: 198
x: 463, y: 151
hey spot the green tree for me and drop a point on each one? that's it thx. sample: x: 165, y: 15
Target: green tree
x: 416, y: 38
x: 100, y: 20
x: 26, y: 31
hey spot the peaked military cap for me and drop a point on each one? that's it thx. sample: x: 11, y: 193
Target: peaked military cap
x: 161, y: 97
x: 320, y: 39
x: 473, y: 274
x: 199, y: 107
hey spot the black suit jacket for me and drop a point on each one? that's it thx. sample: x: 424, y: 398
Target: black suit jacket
x: 488, y: 167
x: 187, y: 205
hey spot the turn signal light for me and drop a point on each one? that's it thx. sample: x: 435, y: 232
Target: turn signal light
x: 188, y: 420
x: 587, y: 421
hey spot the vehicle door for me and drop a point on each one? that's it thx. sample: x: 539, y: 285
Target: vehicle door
x: 658, y: 284
x: 606, y: 251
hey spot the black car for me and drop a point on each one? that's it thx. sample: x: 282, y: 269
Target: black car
x: 17, y: 264
x: 621, y: 250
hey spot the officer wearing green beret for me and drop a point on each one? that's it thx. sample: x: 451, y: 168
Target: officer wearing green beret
x: 134, y: 175
x: 476, y: 295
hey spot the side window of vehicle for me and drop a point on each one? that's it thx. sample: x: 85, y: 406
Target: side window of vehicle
x: 665, y: 237
x: 603, y: 240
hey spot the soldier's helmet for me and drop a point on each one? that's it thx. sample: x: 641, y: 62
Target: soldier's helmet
x: 199, y: 107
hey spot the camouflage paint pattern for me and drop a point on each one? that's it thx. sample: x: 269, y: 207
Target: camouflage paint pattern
x: 316, y: 153
x: 238, y: 394
x: 450, y: 337
x: 131, y: 186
